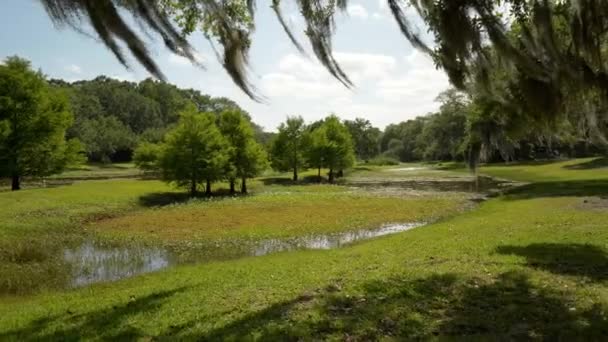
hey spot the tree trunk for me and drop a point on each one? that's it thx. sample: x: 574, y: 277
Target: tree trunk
x: 244, y: 185
x: 16, y: 183
x: 319, y: 175
x: 232, y: 191
x: 295, y: 174
x: 340, y: 173
x: 331, y: 175
x: 208, y: 188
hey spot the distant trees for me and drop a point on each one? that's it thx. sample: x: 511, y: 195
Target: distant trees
x: 195, y: 152
x: 104, y: 136
x: 436, y: 136
x: 33, y: 122
x: 338, y: 152
x: 246, y: 157
x: 133, y: 112
x: 366, y: 138
x: 146, y: 156
x: 204, y: 148
x: 326, y: 143
x: 289, y: 146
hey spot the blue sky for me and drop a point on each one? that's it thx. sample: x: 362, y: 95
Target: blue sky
x: 393, y: 82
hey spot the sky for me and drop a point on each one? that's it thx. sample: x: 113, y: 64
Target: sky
x: 393, y: 81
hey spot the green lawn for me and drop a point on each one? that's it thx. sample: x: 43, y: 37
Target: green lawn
x: 532, y: 264
x: 277, y: 215
x: 100, y: 171
x: 555, y: 171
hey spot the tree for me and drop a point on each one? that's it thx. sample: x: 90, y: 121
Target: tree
x: 146, y: 156
x: 143, y: 111
x: 33, y: 122
x: 247, y: 158
x: 444, y: 132
x: 254, y: 162
x: 194, y: 152
x: 338, y: 152
x: 289, y: 146
x: 365, y: 138
x: 315, y: 152
x: 557, y: 42
x: 104, y: 136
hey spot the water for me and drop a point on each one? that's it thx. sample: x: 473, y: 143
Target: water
x: 92, y: 262
x: 479, y: 185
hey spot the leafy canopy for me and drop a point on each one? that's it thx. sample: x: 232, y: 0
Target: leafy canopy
x: 33, y: 122
x: 195, y: 151
x: 289, y: 146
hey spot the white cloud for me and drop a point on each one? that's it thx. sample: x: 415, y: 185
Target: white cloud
x: 300, y: 76
x: 180, y: 61
x: 386, y: 91
x: 384, y: 12
x: 357, y: 11
x: 73, y: 68
x: 364, y: 66
x: 417, y: 88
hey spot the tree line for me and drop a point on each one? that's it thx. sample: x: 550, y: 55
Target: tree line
x: 46, y: 126
x: 112, y: 117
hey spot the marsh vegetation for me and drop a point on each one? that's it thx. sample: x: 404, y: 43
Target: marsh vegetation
x: 471, y: 269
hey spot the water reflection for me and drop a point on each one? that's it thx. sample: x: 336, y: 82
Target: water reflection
x: 329, y: 241
x: 92, y: 262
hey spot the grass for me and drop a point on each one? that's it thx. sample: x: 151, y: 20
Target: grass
x: 38, y: 224
x: 550, y: 171
x: 277, y: 215
x: 523, y: 266
x: 100, y: 171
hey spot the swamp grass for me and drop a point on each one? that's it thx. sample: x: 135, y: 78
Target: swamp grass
x: 531, y: 265
x: 37, y: 225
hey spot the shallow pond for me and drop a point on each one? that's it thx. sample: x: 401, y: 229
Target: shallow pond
x: 482, y: 185
x: 92, y: 262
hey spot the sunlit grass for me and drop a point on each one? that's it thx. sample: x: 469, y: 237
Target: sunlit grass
x: 568, y: 170
x: 273, y: 215
x: 532, y: 265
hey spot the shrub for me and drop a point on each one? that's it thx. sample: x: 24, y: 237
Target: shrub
x: 383, y: 160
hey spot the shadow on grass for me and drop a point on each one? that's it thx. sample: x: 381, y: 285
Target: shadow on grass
x: 110, y: 323
x: 561, y: 188
x: 441, y: 306
x: 569, y: 259
x: 592, y: 164
x: 161, y: 199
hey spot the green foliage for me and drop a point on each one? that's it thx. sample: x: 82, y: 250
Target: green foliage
x: 443, y: 134
x: 247, y: 158
x: 194, y: 152
x: 383, y: 160
x: 33, y: 122
x: 289, y: 146
x: 104, y: 136
x: 148, y: 109
x: 315, y: 151
x: 534, y: 257
x: 146, y: 156
x: 366, y: 138
x: 335, y: 144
